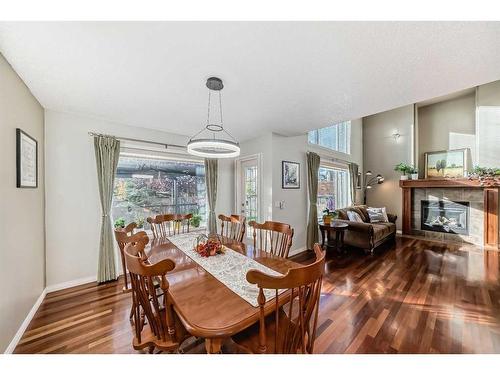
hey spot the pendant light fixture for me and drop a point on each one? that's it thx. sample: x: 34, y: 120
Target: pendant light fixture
x: 213, y: 141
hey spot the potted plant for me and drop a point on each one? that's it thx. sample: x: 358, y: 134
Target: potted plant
x: 196, y: 220
x: 413, y: 173
x: 329, y: 212
x: 120, y: 223
x: 404, y: 169
x: 139, y: 221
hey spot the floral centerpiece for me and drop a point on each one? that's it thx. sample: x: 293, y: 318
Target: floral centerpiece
x: 329, y: 212
x: 208, y: 246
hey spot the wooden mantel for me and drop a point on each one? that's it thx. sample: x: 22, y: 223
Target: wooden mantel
x: 491, y: 208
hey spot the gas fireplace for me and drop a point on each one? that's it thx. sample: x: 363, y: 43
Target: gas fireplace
x: 445, y: 216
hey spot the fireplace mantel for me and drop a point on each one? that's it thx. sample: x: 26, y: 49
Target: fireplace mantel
x: 490, y: 194
x: 444, y: 183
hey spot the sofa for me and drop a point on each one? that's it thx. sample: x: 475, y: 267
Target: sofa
x: 366, y: 235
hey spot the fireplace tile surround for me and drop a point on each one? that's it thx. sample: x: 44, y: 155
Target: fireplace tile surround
x: 484, y: 210
x: 476, y: 213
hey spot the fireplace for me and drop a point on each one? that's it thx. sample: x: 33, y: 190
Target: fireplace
x: 445, y: 216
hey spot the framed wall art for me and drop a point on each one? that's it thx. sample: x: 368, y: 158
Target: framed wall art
x: 290, y: 175
x: 26, y: 160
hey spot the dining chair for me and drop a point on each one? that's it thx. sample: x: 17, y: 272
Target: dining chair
x: 291, y: 329
x: 233, y: 227
x: 169, y: 224
x: 155, y: 324
x: 272, y: 237
x: 124, y: 236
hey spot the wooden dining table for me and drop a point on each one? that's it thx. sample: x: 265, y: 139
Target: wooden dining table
x: 206, y: 307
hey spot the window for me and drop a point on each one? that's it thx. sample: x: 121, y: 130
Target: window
x: 150, y: 185
x: 336, y: 137
x: 333, y: 188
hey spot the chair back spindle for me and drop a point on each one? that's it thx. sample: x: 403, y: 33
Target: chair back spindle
x: 124, y: 236
x: 232, y: 227
x: 272, y: 237
x: 153, y: 319
x: 169, y: 224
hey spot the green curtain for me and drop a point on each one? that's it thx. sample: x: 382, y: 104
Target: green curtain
x: 353, y: 174
x: 211, y: 170
x: 107, y: 152
x: 312, y: 184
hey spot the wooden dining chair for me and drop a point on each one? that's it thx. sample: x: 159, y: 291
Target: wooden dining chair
x: 272, y: 237
x: 233, y: 226
x: 154, y: 320
x: 124, y: 236
x: 169, y: 224
x: 291, y: 329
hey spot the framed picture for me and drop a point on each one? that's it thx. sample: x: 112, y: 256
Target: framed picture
x: 26, y: 160
x: 447, y: 164
x: 290, y: 175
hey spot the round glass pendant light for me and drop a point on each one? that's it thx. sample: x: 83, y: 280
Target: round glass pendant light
x: 213, y: 141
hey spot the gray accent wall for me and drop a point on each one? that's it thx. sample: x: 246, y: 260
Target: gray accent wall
x: 22, y: 222
x: 381, y: 152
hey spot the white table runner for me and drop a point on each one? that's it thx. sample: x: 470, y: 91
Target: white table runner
x: 229, y: 268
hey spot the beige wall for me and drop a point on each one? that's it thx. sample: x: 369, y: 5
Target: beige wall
x: 381, y: 152
x: 22, y: 249
x: 488, y: 125
x: 447, y: 125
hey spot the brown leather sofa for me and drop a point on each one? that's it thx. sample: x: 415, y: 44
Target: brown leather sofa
x: 367, y: 235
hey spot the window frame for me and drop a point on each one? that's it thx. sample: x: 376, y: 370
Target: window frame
x: 316, y: 136
x: 337, y: 167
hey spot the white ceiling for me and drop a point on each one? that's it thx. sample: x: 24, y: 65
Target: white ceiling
x: 288, y: 77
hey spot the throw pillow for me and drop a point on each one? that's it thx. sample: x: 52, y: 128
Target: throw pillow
x: 354, y: 216
x: 378, y: 215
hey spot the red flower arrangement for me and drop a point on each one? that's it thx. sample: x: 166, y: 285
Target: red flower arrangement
x: 208, y: 247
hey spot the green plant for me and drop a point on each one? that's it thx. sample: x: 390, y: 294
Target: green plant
x: 330, y: 213
x: 413, y: 170
x: 404, y: 168
x: 120, y: 222
x: 196, y: 220
x: 486, y: 172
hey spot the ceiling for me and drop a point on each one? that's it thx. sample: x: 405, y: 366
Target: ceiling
x: 286, y: 77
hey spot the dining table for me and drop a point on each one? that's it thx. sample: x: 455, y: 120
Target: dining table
x: 206, y: 307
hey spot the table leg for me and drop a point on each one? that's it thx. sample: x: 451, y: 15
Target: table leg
x: 337, y: 240
x: 322, y: 237
x: 342, y: 233
x: 213, y: 346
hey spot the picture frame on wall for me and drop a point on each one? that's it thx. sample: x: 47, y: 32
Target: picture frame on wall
x: 290, y: 175
x: 26, y: 160
x: 447, y: 163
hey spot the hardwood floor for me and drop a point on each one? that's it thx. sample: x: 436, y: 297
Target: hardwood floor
x: 413, y: 296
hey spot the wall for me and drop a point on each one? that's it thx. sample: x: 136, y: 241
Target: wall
x: 276, y: 148
x: 72, y: 203
x: 381, y: 152
x: 22, y: 253
x: 447, y: 125
x: 488, y: 125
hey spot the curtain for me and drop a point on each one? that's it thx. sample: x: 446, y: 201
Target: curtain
x: 353, y: 174
x: 211, y: 170
x: 107, y: 152
x: 312, y: 184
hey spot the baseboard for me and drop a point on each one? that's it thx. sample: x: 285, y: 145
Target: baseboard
x: 297, y: 251
x: 70, y: 284
x: 20, y: 332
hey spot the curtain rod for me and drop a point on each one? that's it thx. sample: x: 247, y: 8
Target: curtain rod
x: 167, y: 145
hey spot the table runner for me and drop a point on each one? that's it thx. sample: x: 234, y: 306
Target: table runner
x: 229, y: 268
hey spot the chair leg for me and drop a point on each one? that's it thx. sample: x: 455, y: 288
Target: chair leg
x: 131, y: 317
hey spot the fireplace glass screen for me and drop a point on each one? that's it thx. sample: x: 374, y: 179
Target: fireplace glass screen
x: 445, y: 216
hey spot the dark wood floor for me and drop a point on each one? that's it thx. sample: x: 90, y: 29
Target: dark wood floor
x: 410, y: 297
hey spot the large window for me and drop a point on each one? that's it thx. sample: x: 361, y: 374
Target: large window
x: 149, y: 185
x: 336, y: 137
x: 333, y: 188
